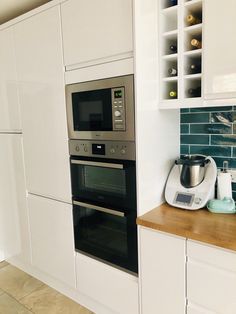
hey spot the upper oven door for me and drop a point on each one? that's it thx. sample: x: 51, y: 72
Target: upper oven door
x: 102, y: 109
x: 103, y: 182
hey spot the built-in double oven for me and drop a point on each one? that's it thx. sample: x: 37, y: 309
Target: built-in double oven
x: 103, y: 171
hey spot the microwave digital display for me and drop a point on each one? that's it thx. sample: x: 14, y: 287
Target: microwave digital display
x: 118, y: 93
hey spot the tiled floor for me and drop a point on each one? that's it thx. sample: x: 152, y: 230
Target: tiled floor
x: 22, y: 294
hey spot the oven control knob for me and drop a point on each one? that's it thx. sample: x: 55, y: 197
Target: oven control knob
x: 123, y: 151
x: 85, y: 149
x: 112, y: 151
x: 77, y: 148
x: 117, y: 113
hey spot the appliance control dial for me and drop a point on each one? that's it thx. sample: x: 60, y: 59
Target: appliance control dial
x: 123, y: 151
x: 112, y: 151
x: 197, y: 200
x: 85, y: 149
x: 117, y: 113
x: 77, y: 148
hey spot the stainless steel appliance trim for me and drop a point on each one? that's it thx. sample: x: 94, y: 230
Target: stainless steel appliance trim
x: 97, y: 164
x: 125, y: 81
x: 101, y: 209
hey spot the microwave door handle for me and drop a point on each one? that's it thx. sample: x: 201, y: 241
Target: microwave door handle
x: 97, y: 164
x: 99, y: 208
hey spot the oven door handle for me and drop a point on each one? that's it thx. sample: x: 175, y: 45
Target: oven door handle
x: 97, y: 164
x: 99, y: 208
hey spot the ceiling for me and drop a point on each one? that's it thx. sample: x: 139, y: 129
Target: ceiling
x: 12, y: 8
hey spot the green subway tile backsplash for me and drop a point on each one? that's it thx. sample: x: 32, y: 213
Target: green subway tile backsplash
x: 211, y: 128
x: 210, y: 131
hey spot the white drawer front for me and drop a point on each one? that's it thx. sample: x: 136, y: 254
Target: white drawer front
x: 195, y: 309
x: 218, y: 257
x: 107, y: 285
x: 211, y: 287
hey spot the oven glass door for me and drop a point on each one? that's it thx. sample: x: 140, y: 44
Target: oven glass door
x: 104, y: 182
x: 106, y: 234
x: 92, y: 110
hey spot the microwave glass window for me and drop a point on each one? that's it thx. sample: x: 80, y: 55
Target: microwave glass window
x: 92, y: 110
x: 105, y: 180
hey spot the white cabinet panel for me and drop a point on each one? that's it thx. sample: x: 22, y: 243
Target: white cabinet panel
x: 211, y: 275
x: 9, y: 108
x: 193, y: 309
x: 14, y: 230
x: 107, y: 285
x: 219, y: 49
x: 162, y: 265
x: 42, y: 100
x: 94, y: 30
x: 51, y: 227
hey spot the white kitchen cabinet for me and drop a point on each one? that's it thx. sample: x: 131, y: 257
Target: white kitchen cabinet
x: 96, y: 32
x: 162, y: 272
x: 42, y: 100
x: 116, y: 290
x: 9, y: 108
x: 219, y: 51
x: 14, y: 228
x: 211, y: 278
x: 51, y: 228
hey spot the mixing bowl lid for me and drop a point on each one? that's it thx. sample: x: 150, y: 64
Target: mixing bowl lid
x: 192, y: 160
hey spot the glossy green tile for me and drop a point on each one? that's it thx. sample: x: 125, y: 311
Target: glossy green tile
x: 234, y: 128
x: 194, y: 139
x: 223, y: 117
x: 219, y: 162
x: 184, y: 149
x: 234, y: 196
x: 223, y: 140
x: 211, y: 109
x: 184, y: 110
x: 184, y: 128
x: 234, y: 152
x: 234, y: 186
x: 211, y: 128
x: 195, y: 117
x: 220, y: 151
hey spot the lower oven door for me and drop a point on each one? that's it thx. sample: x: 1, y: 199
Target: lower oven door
x: 109, y: 183
x: 106, y: 234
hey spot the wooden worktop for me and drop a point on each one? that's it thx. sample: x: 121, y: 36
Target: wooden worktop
x: 201, y: 225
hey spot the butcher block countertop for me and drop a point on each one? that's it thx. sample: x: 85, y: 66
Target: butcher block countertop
x: 200, y: 225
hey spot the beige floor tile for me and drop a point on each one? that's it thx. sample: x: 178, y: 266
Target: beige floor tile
x: 47, y: 300
x: 1, y: 292
x: 3, y: 264
x: 8, y: 305
x: 17, y: 283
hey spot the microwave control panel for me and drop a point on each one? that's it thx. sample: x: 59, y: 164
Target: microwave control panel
x: 118, y: 108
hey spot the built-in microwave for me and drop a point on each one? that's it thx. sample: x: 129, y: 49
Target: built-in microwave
x: 101, y: 109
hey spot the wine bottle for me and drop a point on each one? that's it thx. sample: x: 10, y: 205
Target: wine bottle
x: 195, y: 68
x: 192, y: 20
x: 195, y: 92
x: 195, y: 43
x: 173, y: 48
x: 173, y: 94
x: 172, y: 71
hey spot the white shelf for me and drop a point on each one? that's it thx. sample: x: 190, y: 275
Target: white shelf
x: 194, y: 29
x: 196, y: 52
x: 170, y: 33
x: 170, y: 79
x: 172, y: 56
x: 193, y: 76
x: 170, y: 10
x: 196, y: 4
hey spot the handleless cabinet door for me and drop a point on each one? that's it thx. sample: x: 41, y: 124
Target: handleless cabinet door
x: 52, y: 239
x: 42, y: 101
x: 96, y: 30
x: 9, y: 104
x: 162, y: 272
x: 14, y: 229
x: 219, y: 49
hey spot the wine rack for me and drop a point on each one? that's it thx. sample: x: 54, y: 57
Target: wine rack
x: 180, y: 53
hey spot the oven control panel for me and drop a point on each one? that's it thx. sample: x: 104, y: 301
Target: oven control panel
x: 108, y: 149
x: 118, y: 108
